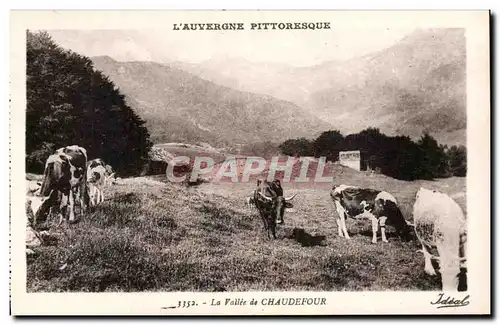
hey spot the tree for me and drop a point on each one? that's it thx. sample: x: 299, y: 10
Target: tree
x: 457, y: 156
x: 328, y: 145
x: 431, y: 157
x: 301, y: 146
x: 69, y: 102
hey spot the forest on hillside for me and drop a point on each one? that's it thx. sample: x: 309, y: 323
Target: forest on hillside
x: 71, y: 103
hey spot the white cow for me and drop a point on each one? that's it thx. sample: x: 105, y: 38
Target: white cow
x: 440, y: 224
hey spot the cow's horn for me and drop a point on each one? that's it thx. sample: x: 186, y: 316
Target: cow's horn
x: 291, y: 197
x: 409, y: 223
x: 265, y: 197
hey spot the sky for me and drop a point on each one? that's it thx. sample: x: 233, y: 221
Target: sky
x: 296, y: 48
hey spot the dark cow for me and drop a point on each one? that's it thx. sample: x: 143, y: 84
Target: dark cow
x: 363, y: 203
x: 64, y: 181
x: 269, y: 200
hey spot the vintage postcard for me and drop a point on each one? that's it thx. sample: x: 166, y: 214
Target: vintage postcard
x: 250, y: 162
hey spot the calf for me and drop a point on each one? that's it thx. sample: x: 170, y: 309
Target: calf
x: 96, y: 181
x: 440, y: 224
x: 269, y: 200
x: 362, y: 203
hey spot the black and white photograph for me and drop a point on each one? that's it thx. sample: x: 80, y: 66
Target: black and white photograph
x: 281, y: 156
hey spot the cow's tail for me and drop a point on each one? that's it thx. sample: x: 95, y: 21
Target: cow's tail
x: 397, y: 220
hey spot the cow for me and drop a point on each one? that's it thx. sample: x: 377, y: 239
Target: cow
x: 363, y: 203
x: 64, y: 181
x: 440, y: 226
x: 269, y: 200
x: 97, y: 179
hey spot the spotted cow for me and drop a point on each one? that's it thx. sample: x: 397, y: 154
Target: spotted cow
x: 97, y: 178
x: 363, y: 203
x: 64, y: 182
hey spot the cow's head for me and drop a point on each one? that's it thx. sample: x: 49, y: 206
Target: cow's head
x: 279, y: 203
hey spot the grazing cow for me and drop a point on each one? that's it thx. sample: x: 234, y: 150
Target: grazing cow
x: 97, y: 178
x: 363, y: 203
x: 64, y: 181
x: 440, y: 225
x: 269, y: 200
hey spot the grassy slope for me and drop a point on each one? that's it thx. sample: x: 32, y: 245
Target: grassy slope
x: 152, y: 236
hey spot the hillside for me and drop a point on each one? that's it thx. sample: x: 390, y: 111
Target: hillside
x: 415, y: 85
x: 180, y: 107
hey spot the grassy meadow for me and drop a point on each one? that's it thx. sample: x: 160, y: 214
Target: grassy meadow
x: 150, y: 235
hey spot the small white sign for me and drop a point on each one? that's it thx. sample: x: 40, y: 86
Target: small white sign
x: 351, y: 159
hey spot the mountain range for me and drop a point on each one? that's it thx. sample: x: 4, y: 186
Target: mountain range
x: 416, y: 85
x: 180, y: 107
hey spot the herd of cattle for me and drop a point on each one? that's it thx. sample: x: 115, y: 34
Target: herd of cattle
x: 438, y: 221
x: 69, y: 177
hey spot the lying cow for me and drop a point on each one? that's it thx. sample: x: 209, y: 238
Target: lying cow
x: 440, y: 225
x: 98, y: 175
x: 362, y: 203
x: 64, y: 183
x: 269, y: 200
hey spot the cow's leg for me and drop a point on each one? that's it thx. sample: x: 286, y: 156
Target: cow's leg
x: 264, y: 222
x: 339, y: 227
x: 71, y: 205
x: 341, y: 220
x: 273, y: 228
x: 374, y: 229
x: 428, y: 268
x: 382, y: 228
x: 63, y: 207
x: 83, y: 195
x: 337, y: 219
x: 102, y: 195
x: 97, y: 197
x: 93, y: 196
x: 344, y: 227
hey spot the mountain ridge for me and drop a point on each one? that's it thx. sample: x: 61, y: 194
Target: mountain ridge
x: 416, y: 85
x: 179, y: 106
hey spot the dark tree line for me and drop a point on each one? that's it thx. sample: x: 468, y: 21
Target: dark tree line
x: 395, y: 156
x: 69, y: 102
